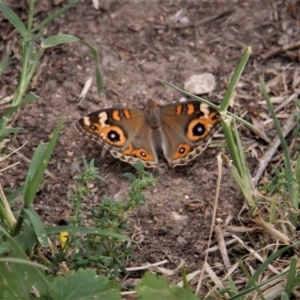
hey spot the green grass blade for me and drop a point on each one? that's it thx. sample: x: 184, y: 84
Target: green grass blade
x: 250, y: 289
x: 251, y: 280
x: 25, y: 240
x: 34, y: 177
x: 9, y: 112
x: 18, y: 253
x: 232, y: 286
x: 55, y: 16
x: 293, y: 186
x: 14, y: 20
x: 284, y: 296
x: 230, y: 135
x: 291, y: 277
x: 98, y: 73
x: 38, y: 226
x: 38, y: 166
x: 4, y: 64
x: 277, y: 127
x: 12, y: 196
x: 235, y: 79
x: 268, y: 261
x: 5, y: 215
x: 7, y: 131
x: 23, y: 262
x: 297, y: 168
x: 30, y: 15
x: 85, y: 230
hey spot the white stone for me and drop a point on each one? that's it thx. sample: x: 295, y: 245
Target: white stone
x: 200, y: 84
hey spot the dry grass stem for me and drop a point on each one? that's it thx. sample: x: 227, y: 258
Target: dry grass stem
x: 215, y: 279
x: 270, y: 228
x: 216, y: 248
x: 222, y: 246
x: 85, y: 89
x: 255, y: 254
x: 277, y: 50
x: 213, y: 218
x: 147, y: 266
x: 6, y: 205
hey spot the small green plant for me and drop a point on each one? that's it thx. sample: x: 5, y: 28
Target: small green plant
x: 107, y: 254
x: 82, y: 189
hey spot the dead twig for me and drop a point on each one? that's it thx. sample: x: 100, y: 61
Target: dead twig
x: 264, y: 161
x: 287, y: 101
x: 277, y: 50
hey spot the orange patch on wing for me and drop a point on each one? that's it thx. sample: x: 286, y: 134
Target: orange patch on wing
x: 178, y: 109
x: 128, y: 150
x: 103, y: 132
x: 140, y: 153
x: 214, y: 117
x: 207, y: 123
x: 127, y: 114
x: 190, y: 109
x: 181, y: 151
x: 116, y: 115
x: 191, y: 136
x: 143, y: 155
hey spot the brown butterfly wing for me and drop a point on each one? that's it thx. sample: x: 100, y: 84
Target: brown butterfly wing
x: 124, y: 132
x: 186, y: 129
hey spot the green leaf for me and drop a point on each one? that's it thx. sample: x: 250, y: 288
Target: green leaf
x: 25, y: 241
x: 284, y: 296
x: 38, y: 166
x: 129, y: 176
x: 17, y: 280
x: 14, y: 20
x: 9, y: 112
x: 7, y: 131
x: 4, y: 64
x: 12, y: 195
x: 259, y: 271
x: 235, y: 79
x: 29, y: 98
x: 38, y: 226
x: 85, y: 230
x: 35, y: 174
x: 84, y: 284
x: 56, y: 40
x: 291, y: 278
x: 157, y: 287
x: 98, y: 74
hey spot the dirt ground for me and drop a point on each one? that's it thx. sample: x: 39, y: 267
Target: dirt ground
x: 139, y: 42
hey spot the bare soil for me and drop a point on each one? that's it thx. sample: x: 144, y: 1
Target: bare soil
x: 139, y: 42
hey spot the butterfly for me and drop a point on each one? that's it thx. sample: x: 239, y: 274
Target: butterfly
x: 180, y: 130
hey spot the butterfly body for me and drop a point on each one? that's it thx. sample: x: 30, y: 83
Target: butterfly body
x: 180, y: 130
